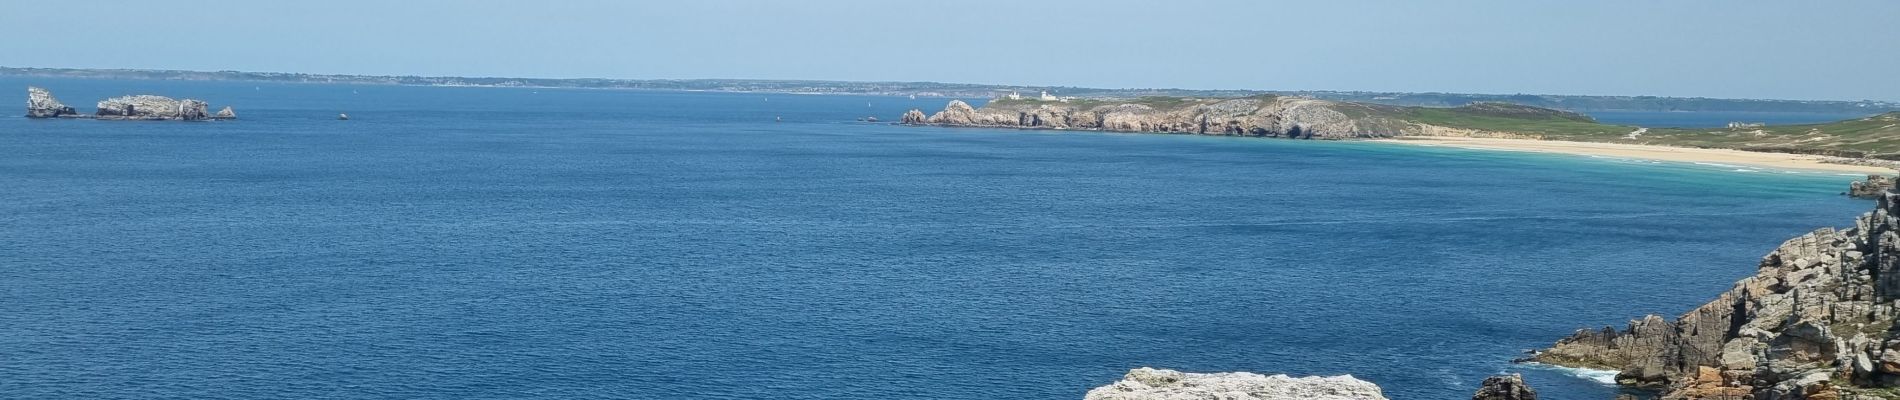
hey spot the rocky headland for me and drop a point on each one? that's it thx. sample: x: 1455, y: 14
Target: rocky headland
x: 1816, y: 321
x: 40, y: 103
x: 1160, y: 384
x: 1260, y: 116
x: 1861, y: 141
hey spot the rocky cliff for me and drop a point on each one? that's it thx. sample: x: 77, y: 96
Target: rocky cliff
x: 1816, y: 321
x: 41, y: 104
x: 1261, y: 116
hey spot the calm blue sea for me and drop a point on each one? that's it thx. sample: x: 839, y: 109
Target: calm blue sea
x: 519, y: 243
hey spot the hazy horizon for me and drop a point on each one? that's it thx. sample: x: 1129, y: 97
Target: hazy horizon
x: 1746, y: 49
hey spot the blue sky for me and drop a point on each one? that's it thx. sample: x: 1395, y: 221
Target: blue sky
x: 1842, y: 50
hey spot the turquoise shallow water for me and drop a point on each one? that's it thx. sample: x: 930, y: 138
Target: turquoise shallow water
x: 517, y: 243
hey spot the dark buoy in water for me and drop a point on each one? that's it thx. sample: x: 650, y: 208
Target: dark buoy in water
x: 342, y: 117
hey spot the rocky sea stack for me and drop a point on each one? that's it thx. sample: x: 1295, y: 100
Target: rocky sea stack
x: 1816, y: 321
x: 41, y: 104
x: 1505, y: 387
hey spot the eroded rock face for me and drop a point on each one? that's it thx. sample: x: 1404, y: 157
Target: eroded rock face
x: 1505, y: 387
x: 225, y: 113
x: 1870, y: 188
x: 1160, y: 384
x: 146, y: 106
x: 1818, y: 313
x: 41, y: 104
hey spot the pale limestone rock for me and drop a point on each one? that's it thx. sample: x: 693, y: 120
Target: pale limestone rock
x: 41, y: 104
x: 147, y: 106
x: 1160, y: 384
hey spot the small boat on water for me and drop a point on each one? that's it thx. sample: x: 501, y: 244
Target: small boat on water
x: 342, y: 117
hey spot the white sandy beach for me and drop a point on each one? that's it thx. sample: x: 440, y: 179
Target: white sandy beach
x: 1647, y: 152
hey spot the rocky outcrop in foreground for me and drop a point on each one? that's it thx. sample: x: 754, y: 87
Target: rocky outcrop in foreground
x: 41, y: 104
x: 1870, y: 188
x: 1160, y: 384
x: 1260, y: 116
x: 1816, y: 321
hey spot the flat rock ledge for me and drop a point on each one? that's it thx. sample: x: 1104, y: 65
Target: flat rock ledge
x: 1160, y: 384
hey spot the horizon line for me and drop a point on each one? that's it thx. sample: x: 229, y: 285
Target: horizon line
x: 972, y: 85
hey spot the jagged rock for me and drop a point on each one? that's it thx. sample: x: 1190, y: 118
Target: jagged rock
x: 226, y: 113
x: 914, y: 117
x: 41, y: 104
x: 1870, y: 188
x: 1505, y: 387
x: 1160, y: 384
x: 1819, y: 312
x: 147, y: 106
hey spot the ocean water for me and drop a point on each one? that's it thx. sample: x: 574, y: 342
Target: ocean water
x: 521, y: 243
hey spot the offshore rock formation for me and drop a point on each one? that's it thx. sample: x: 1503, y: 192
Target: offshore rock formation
x: 41, y: 104
x: 151, y: 107
x: 1261, y: 116
x: 1505, y: 387
x: 1160, y: 384
x: 1870, y: 188
x: 1816, y: 321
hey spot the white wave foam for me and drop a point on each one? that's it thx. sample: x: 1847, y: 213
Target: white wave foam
x: 1602, y: 376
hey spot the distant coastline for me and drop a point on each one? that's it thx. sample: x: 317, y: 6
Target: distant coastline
x: 984, y: 91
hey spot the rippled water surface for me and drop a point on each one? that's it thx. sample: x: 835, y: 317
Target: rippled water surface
x: 519, y: 243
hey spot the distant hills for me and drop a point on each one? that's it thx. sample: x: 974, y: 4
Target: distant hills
x: 979, y: 91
